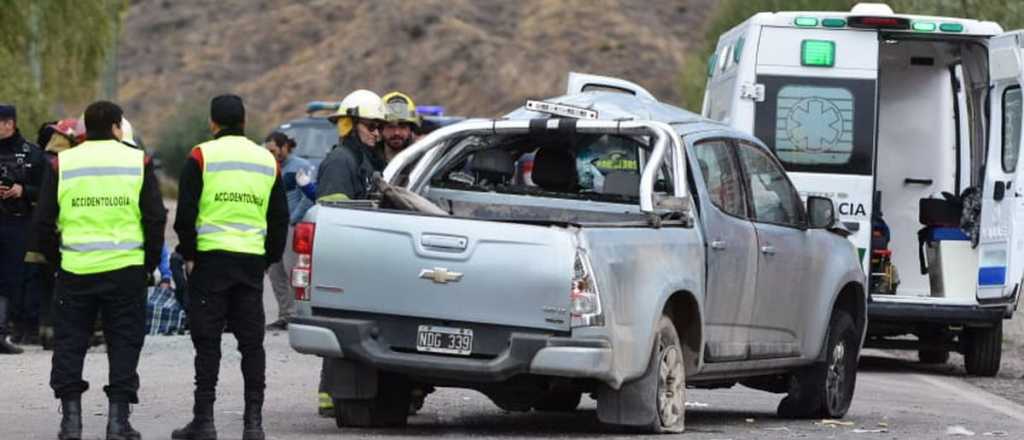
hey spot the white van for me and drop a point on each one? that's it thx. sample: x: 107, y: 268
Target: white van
x: 884, y: 113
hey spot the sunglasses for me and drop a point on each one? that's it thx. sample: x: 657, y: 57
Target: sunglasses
x: 372, y: 126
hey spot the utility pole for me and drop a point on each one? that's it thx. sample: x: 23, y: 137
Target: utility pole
x: 109, y: 83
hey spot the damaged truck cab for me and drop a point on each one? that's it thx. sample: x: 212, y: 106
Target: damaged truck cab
x: 600, y: 242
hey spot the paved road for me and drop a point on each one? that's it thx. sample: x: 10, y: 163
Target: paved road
x: 905, y: 402
x: 892, y: 394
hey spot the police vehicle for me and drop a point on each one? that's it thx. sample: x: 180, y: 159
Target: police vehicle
x: 911, y: 124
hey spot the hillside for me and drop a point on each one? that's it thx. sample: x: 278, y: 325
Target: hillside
x: 479, y: 57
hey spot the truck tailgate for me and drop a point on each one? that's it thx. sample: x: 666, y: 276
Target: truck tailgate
x: 442, y: 268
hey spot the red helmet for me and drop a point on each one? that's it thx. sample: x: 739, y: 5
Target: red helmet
x: 73, y: 129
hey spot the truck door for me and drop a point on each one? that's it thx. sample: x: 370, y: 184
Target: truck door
x: 1001, y: 232
x: 731, y: 244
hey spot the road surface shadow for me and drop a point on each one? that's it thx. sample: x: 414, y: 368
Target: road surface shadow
x: 885, y: 363
x: 582, y: 423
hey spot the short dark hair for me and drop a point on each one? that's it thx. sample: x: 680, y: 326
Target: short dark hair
x: 100, y: 116
x: 280, y: 139
x: 227, y: 111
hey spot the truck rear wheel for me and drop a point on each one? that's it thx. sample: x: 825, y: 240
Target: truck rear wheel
x: 670, y: 367
x: 389, y: 408
x: 656, y: 401
x: 826, y: 389
x: 984, y: 350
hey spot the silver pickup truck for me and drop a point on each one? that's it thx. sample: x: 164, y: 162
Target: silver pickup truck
x: 600, y: 242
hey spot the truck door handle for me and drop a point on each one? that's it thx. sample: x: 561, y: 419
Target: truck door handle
x: 768, y: 250
x: 718, y: 245
x: 911, y: 181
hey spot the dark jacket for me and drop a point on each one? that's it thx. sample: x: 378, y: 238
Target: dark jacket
x: 242, y: 266
x: 45, y: 239
x: 347, y: 169
x: 22, y: 162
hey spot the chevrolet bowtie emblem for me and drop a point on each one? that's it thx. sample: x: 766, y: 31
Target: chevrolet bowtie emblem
x: 440, y: 275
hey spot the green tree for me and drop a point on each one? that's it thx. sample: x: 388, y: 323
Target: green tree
x: 54, y: 53
x: 729, y: 13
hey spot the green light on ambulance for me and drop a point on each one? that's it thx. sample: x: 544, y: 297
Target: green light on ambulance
x: 833, y: 22
x: 951, y: 27
x: 806, y: 21
x: 924, y: 26
x: 818, y: 53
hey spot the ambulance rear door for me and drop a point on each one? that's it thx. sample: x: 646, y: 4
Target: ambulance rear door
x: 1001, y: 232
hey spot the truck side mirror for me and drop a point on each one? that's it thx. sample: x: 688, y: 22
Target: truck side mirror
x: 821, y: 212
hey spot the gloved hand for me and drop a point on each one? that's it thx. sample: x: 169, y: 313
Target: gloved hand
x: 303, y: 177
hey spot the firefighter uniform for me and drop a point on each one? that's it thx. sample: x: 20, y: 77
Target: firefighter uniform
x: 232, y: 222
x: 102, y: 207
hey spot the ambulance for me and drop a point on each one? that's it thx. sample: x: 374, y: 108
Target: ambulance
x: 912, y: 125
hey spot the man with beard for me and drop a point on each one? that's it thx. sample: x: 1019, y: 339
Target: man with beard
x: 400, y: 124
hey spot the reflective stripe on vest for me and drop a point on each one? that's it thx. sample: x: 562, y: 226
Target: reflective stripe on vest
x: 100, y: 223
x: 238, y: 176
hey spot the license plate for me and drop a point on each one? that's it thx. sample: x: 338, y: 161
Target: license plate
x: 447, y: 340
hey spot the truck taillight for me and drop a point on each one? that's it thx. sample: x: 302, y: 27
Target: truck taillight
x: 302, y: 273
x: 584, y: 299
x: 302, y: 238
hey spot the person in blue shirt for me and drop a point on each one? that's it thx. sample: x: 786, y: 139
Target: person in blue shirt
x: 282, y: 147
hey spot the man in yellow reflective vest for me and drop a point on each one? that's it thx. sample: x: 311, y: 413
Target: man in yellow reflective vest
x: 232, y: 223
x: 101, y: 206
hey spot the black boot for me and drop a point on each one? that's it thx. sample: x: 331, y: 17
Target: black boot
x: 71, y: 420
x: 6, y: 347
x: 201, y: 427
x: 118, y: 426
x: 253, y: 417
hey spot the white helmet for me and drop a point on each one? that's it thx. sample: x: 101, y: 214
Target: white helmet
x: 362, y: 104
x: 128, y: 133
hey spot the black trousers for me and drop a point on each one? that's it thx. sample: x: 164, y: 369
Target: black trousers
x: 13, y: 240
x: 121, y: 298
x: 219, y: 299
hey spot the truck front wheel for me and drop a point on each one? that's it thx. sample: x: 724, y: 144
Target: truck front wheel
x: 825, y: 390
x: 984, y: 350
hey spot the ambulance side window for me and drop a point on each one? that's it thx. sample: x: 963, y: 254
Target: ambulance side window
x: 1012, y: 106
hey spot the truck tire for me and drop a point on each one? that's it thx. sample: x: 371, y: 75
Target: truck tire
x: 825, y: 390
x: 559, y: 401
x: 655, y: 402
x: 670, y: 367
x: 389, y: 408
x: 984, y: 350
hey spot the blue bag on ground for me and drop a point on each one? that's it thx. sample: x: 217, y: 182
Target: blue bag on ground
x: 164, y: 315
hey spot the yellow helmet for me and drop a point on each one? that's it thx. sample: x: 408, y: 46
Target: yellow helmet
x: 399, y: 107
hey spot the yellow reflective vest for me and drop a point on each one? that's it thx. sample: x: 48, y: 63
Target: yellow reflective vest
x: 238, y: 176
x: 99, y: 220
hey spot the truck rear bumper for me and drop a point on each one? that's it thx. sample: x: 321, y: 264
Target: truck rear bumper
x: 522, y: 352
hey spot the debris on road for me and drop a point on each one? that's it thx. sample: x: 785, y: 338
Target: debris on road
x: 959, y: 431
x: 833, y: 423
x: 697, y: 405
x: 870, y: 431
x: 996, y: 434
